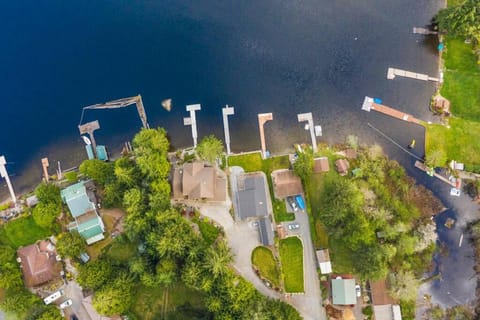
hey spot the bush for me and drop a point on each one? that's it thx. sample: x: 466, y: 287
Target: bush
x: 71, y: 176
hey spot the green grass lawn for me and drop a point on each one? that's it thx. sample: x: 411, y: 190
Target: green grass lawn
x: 280, y: 211
x: 121, y: 251
x: 263, y: 260
x: 459, y: 142
x: 21, y: 232
x: 155, y: 303
x: 291, y: 256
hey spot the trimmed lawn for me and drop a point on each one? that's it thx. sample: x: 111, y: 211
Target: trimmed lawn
x: 250, y: 162
x: 459, y: 142
x: 158, y: 303
x: 121, y: 251
x: 263, y: 260
x: 291, y: 256
x: 280, y: 211
x: 21, y: 232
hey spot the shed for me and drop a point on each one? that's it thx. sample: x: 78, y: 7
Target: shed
x: 324, y: 263
x: 342, y: 166
x: 387, y: 312
x: 321, y: 164
x: 343, y: 291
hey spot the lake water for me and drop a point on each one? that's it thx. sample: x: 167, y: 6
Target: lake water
x: 285, y: 57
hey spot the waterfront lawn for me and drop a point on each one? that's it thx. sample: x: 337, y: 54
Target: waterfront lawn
x: 21, y: 232
x: 462, y: 79
x: 263, y: 260
x: 251, y: 162
x: 459, y: 142
x: 161, y: 303
x: 291, y: 256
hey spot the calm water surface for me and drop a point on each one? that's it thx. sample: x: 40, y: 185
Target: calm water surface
x: 284, y: 57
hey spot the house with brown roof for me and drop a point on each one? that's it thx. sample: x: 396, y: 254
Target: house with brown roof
x: 195, y: 181
x: 342, y: 166
x: 321, y: 165
x: 39, y: 263
x: 286, y: 183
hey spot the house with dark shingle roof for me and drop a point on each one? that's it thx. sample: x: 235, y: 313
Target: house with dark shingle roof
x: 87, y: 221
x: 38, y: 263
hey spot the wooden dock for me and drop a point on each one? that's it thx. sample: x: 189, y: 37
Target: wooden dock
x: 420, y: 165
x: 369, y: 104
x: 392, y: 73
x: 423, y: 31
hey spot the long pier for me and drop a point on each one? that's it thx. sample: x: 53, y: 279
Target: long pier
x: 370, y: 104
x: 392, y: 73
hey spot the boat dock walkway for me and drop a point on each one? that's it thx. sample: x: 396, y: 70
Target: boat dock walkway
x: 420, y: 165
x: 370, y: 104
x: 424, y: 31
x: 392, y: 73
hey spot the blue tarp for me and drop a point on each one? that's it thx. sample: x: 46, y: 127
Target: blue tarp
x: 377, y: 100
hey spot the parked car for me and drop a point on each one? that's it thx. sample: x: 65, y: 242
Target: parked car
x: 66, y: 303
x: 300, y: 202
x: 292, y: 203
x: 358, y: 290
x: 54, y: 296
x: 293, y: 226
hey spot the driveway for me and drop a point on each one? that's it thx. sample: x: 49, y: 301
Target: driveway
x: 242, y: 239
x: 74, y: 292
x: 309, y: 304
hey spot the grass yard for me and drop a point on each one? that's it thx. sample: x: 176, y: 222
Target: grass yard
x: 263, y: 260
x: 291, y: 256
x: 280, y: 211
x: 251, y: 162
x: 158, y: 302
x: 459, y: 142
x: 121, y: 251
x: 21, y: 232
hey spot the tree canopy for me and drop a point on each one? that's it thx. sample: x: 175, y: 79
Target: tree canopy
x: 210, y: 148
x: 70, y: 244
x: 115, y: 298
x: 95, y: 274
x: 100, y: 171
x: 461, y: 20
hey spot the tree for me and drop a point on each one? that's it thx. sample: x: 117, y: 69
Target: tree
x: 404, y: 285
x: 48, y: 193
x: 210, y: 148
x: 70, y: 244
x: 45, y: 214
x: 49, y: 312
x: 115, y: 298
x: 126, y: 172
x: 18, y: 300
x: 461, y: 20
x: 100, y: 171
x: 352, y: 141
x: 217, y: 259
x: 95, y: 274
x: 436, y: 158
x: 303, y: 166
x: 150, y: 147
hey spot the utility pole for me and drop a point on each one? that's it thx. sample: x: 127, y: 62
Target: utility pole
x: 192, y: 121
x: 227, y: 111
x: 4, y: 174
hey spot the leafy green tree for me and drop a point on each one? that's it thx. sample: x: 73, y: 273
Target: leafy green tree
x: 95, y: 274
x: 49, y: 312
x: 404, y: 285
x: 126, y: 172
x: 10, y: 274
x: 303, y: 166
x: 70, y: 244
x: 115, y: 298
x: 352, y: 141
x: 45, y: 214
x: 166, y: 271
x: 71, y: 176
x: 210, y: 148
x: 100, y: 171
x: 150, y: 147
x: 436, y: 158
x: 217, y: 259
x: 48, y: 193
x: 18, y: 300
x: 461, y: 20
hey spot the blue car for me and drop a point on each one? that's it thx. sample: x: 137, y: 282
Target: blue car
x: 300, y: 202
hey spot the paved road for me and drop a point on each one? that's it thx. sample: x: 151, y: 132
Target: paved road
x: 242, y: 239
x: 310, y: 304
x: 74, y: 292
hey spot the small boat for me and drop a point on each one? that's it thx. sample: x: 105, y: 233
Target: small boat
x: 412, y: 144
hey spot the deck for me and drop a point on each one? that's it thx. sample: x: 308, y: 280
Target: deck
x: 369, y: 104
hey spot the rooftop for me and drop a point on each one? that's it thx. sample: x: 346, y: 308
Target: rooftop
x: 265, y: 231
x: 343, y: 291
x: 286, y: 183
x: 38, y: 263
x: 321, y: 165
x: 252, y: 196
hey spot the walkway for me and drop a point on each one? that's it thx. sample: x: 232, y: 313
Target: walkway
x: 392, y: 72
x: 370, y: 104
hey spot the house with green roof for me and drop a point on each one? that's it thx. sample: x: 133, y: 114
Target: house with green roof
x: 87, y: 221
x: 343, y: 291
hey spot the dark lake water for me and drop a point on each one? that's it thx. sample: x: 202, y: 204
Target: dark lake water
x: 284, y: 57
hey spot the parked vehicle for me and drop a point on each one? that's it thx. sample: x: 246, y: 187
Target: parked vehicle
x: 66, y: 303
x: 358, y: 290
x: 53, y: 297
x: 292, y: 203
x: 300, y: 202
x: 293, y: 226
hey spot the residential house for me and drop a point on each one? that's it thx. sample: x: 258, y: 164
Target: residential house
x: 321, y: 165
x: 343, y: 291
x: 251, y: 196
x: 81, y: 204
x: 39, y: 263
x: 342, y: 166
x: 323, y: 258
x: 195, y: 181
x: 286, y: 183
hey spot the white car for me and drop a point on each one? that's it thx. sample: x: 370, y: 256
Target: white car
x: 455, y: 192
x: 66, y: 304
x: 358, y: 290
x: 293, y: 226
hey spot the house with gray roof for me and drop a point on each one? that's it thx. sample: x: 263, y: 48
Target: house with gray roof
x: 252, y: 196
x: 343, y: 291
x: 87, y: 221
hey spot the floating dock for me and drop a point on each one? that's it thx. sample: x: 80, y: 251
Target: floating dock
x: 392, y: 73
x: 423, y: 31
x: 370, y: 104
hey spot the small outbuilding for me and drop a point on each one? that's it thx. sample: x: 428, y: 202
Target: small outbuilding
x: 342, y: 166
x: 321, y: 165
x: 323, y: 258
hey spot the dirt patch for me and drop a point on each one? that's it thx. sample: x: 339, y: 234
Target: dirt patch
x: 424, y: 200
